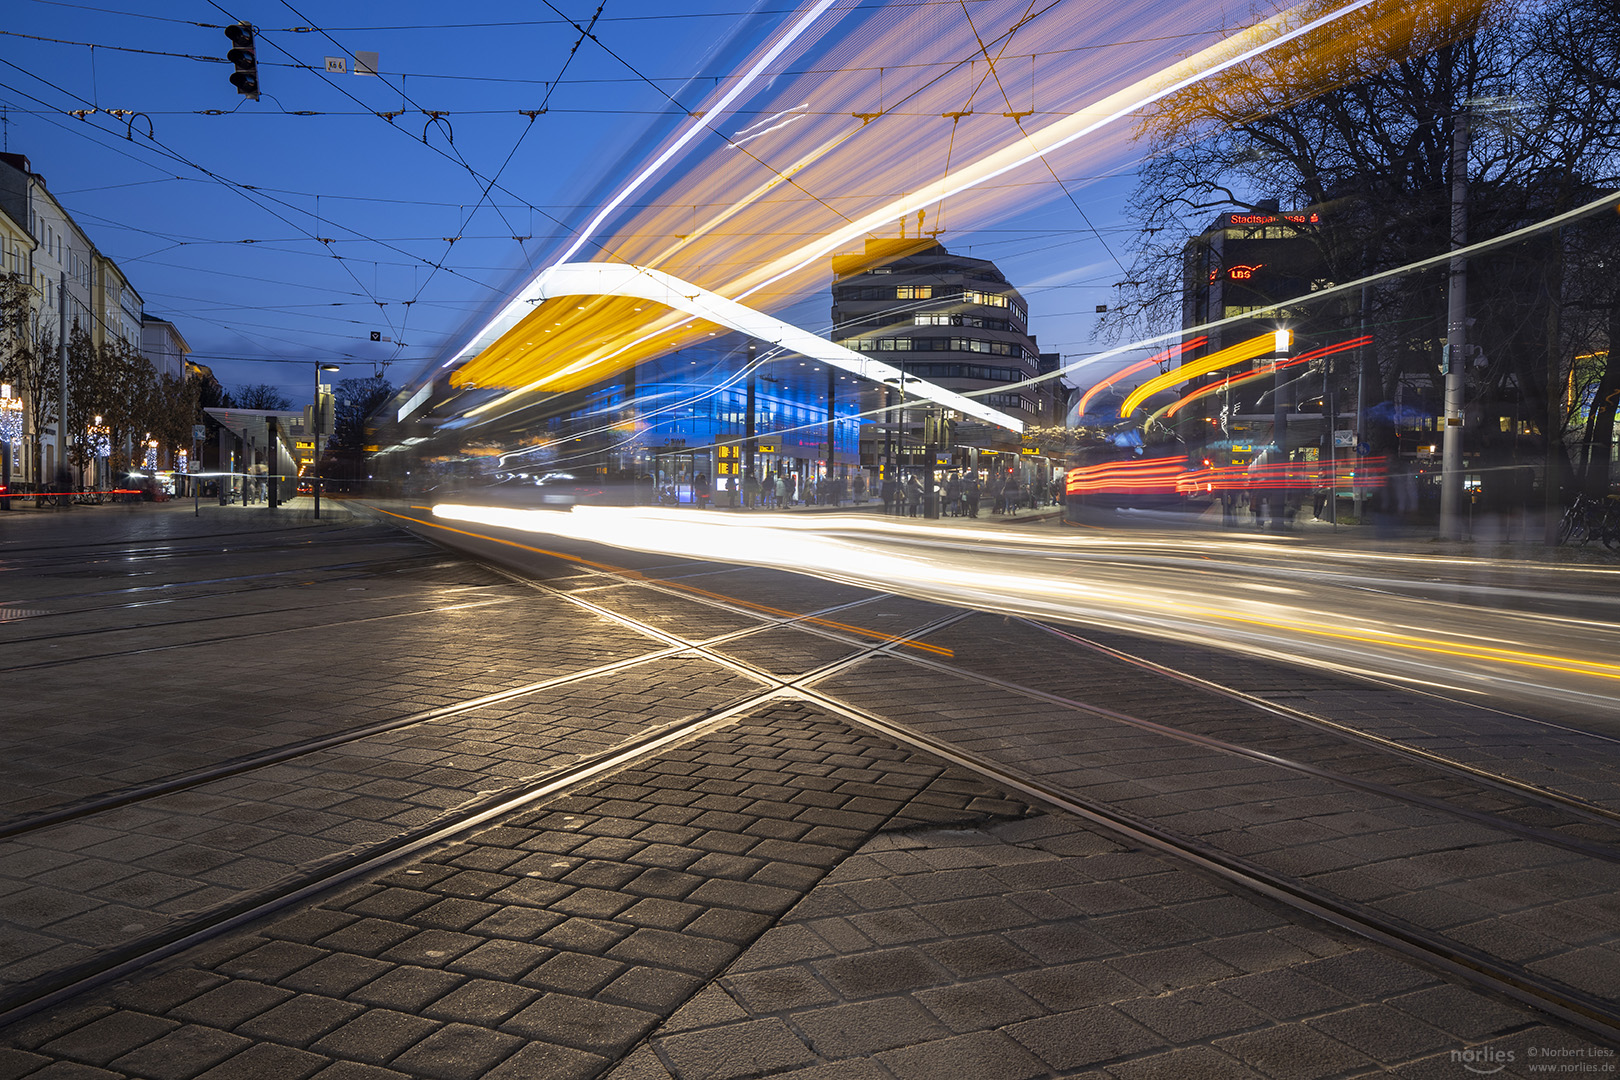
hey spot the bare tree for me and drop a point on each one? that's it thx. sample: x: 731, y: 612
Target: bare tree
x: 261, y: 396
x: 1366, y: 139
x: 30, y: 364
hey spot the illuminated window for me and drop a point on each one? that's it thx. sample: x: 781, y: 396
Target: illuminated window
x: 914, y: 292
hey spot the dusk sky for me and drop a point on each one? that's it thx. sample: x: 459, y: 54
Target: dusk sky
x: 276, y: 240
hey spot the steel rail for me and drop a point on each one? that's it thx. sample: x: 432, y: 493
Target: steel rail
x: 60, y: 986
x: 1438, y: 761
x: 1592, y: 1014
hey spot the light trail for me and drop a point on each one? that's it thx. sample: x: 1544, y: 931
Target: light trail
x: 614, y: 279
x: 824, y: 154
x: 1158, y: 586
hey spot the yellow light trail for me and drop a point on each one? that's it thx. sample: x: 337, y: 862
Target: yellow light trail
x: 1232, y: 354
x: 731, y: 220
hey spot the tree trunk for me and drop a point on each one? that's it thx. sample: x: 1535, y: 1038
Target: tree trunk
x: 1599, y: 449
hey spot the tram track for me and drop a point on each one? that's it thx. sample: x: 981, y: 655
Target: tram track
x: 114, y: 963
x: 1474, y: 773
x: 1594, y: 1013
x: 1571, y: 1004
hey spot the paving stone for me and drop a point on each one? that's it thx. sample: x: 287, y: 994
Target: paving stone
x: 887, y: 971
x: 1191, y: 1063
x: 1380, y: 1032
x: 458, y: 1052
x: 864, y: 1028
x: 778, y: 989
x: 375, y: 1037
x: 109, y: 1037
x: 229, y: 1005
x: 262, y: 1061
x: 594, y: 1026
x: 406, y: 988
x: 1294, y: 1052
x: 986, y: 1055
x: 977, y: 1005
x: 1085, y: 1037
x: 650, y: 988
x: 552, y: 1062
x: 301, y: 1020
x: 335, y: 975
x: 754, y: 1048
x: 574, y: 973
x: 182, y: 1053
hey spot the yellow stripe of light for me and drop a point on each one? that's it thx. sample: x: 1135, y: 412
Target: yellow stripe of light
x: 1232, y: 354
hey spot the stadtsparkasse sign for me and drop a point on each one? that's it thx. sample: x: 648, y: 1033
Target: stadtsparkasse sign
x: 1272, y: 219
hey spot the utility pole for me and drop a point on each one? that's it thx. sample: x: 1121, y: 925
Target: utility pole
x: 748, y: 430
x: 1361, y: 408
x: 1280, y: 407
x: 1452, y: 361
x: 832, y: 422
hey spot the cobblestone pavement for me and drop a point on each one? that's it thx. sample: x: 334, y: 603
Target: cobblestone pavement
x: 785, y: 892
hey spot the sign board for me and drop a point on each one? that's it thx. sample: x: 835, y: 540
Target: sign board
x: 337, y: 65
x: 1029, y: 451
x: 365, y: 63
x: 199, y: 432
x: 767, y: 448
x: 726, y: 468
x: 1344, y: 438
x: 726, y: 453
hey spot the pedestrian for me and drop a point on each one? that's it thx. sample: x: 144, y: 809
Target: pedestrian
x: 914, y: 496
x: 781, y: 491
x: 970, y: 495
x: 858, y: 487
x: 731, y: 492
x: 750, y: 491
x: 792, y: 488
x: 891, y: 495
x: 700, y: 490
x: 953, y: 495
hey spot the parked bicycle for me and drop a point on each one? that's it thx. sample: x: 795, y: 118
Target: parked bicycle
x: 1587, y: 519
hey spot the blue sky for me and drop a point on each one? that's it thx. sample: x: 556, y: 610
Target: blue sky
x: 347, y: 227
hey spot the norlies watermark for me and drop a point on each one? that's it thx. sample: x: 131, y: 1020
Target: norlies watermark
x: 1483, y: 1059
x: 1545, y: 1060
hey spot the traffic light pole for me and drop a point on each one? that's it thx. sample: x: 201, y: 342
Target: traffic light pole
x: 1451, y: 462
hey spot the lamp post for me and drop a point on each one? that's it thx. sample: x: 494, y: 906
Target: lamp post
x: 319, y: 416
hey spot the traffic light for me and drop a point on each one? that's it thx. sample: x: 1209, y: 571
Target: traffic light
x: 246, y: 76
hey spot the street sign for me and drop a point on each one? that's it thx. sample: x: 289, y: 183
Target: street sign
x: 365, y: 63
x: 767, y: 448
x: 337, y: 65
x: 1344, y: 438
x: 1363, y: 449
x: 199, y: 432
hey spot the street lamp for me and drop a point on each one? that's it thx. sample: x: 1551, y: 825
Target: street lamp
x: 319, y: 415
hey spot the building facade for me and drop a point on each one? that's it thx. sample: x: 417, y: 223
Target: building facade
x: 69, y: 283
x: 954, y: 321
